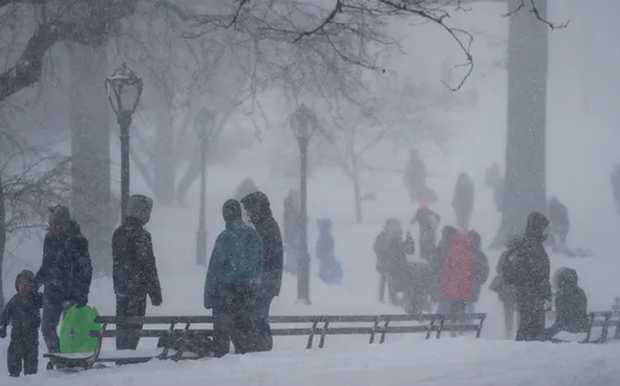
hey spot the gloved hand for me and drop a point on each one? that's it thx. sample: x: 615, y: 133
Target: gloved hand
x: 156, y: 301
x: 208, y: 303
x: 81, y: 302
x: 547, y: 305
x: 2, y: 332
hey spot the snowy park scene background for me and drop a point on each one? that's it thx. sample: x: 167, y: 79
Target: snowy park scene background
x: 413, y: 90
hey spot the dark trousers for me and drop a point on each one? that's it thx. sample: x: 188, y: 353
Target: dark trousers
x: 23, y: 351
x: 263, y: 340
x: 531, y: 325
x: 128, y: 335
x: 232, y: 322
x: 389, y: 281
x: 53, y: 309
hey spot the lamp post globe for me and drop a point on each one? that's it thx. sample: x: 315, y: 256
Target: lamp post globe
x: 124, y: 89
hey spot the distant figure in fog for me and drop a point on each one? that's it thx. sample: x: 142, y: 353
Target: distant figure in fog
x: 495, y: 181
x: 415, y: 179
x: 391, y: 251
x: 463, y: 201
x: 528, y: 269
x: 560, y: 223
x: 233, y: 280
x: 330, y: 270
x: 293, y: 227
x: 258, y: 208
x: 428, y: 221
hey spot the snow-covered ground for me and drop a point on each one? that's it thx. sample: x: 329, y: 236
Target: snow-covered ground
x: 581, y: 181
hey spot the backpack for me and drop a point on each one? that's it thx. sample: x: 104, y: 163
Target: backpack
x: 458, y: 275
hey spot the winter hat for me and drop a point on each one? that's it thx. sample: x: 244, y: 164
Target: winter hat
x: 59, y: 214
x: 231, y: 210
x: 24, y: 276
x: 258, y: 204
x: 140, y: 207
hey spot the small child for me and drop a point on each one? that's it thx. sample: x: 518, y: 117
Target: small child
x: 571, y: 304
x: 330, y: 270
x: 22, y: 312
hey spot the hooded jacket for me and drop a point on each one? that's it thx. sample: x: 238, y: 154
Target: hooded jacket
x: 258, y: 205
x: 236, y: 263
x: 134, y: 269
x: 66, y: 270
x: 22, y: 312
x: 529, y: 270
x: 571, y: 303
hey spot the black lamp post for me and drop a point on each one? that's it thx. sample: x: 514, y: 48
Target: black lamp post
x: 124, y: 89
x: 303, y: 124
x: 205, y: 121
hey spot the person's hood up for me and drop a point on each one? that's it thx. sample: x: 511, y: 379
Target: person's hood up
x: 231, y: 211
x: 566, y: 278
x: 447, y: 232
x: 25, y: 275
x: 513, y: 241
x: 536, y: 225
x: 140, y: 208
x: 258, y: 205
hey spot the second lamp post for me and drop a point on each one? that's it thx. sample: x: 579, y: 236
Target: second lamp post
x: 303, y: 124
x: 124, y: 89
x: 205, y: 121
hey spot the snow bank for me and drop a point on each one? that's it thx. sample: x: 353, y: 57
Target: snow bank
x: 449, y: 362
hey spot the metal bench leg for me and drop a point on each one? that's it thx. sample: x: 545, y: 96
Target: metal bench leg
x: 440, y: 327
x: 589, y: 333
x: 311, y: 336
x: 164, y: 353
x: 322, y: 340
x: 90, y: 362
x: 385, y: 327
x: 375, y: 328
x: 479, y: 331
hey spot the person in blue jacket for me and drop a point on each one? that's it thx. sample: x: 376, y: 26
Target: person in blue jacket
x: 330, y: 270
x: 232, y: 284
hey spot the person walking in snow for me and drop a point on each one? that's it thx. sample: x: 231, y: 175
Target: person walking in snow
x: 528, y: 269
x: 482, y: 268
x: 506, y: 292
x: 428, y: 222
x: 330, y: 270
x: 391, y: 251
x: 463, y: 201
x: 66, y: 272
x: 22, y: 312
x: 571, y: 304
x: 134, y: 270
x: 439, y: 256
x: 258, y: 209
x: 232, y: 283
x: 559, y: 223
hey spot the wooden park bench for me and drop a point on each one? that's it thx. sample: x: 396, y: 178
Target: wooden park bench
x: 299, y: 325
x: 603, y: 320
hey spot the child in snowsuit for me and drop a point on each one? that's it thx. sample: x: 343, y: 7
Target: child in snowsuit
x: 571, y: 305
x: 22, y: 312
x: 330, y: 270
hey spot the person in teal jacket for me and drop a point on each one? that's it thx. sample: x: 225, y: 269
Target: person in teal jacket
x: 233, y: 281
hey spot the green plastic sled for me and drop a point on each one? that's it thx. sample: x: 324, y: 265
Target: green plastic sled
x: 75, y: 331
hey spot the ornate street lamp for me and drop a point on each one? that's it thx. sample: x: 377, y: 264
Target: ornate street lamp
x: 124, y: 89
x: 206, y: 123
x: 303, y: 125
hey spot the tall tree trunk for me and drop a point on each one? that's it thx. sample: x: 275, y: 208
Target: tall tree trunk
x: 2, y: 240
x: 92, y: 203
x: 525, y: 188
x: 359, y: 218
x: 165, y: 158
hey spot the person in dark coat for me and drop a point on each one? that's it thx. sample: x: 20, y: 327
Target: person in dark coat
x: 258, y: 209
x: 391, y: 251
x: 507, y: 292
x: 528, y: 270
x: 330, y: 270
x: 293, y: 226
x: 22, y: 313
x: 463, y: 201
x: 233, y: 280
x: 134, y: 270
x: 66, y: 272
x: 428, y: 221
x: 482, y: 268
x: 571, y: 305
x: 560, y: 223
